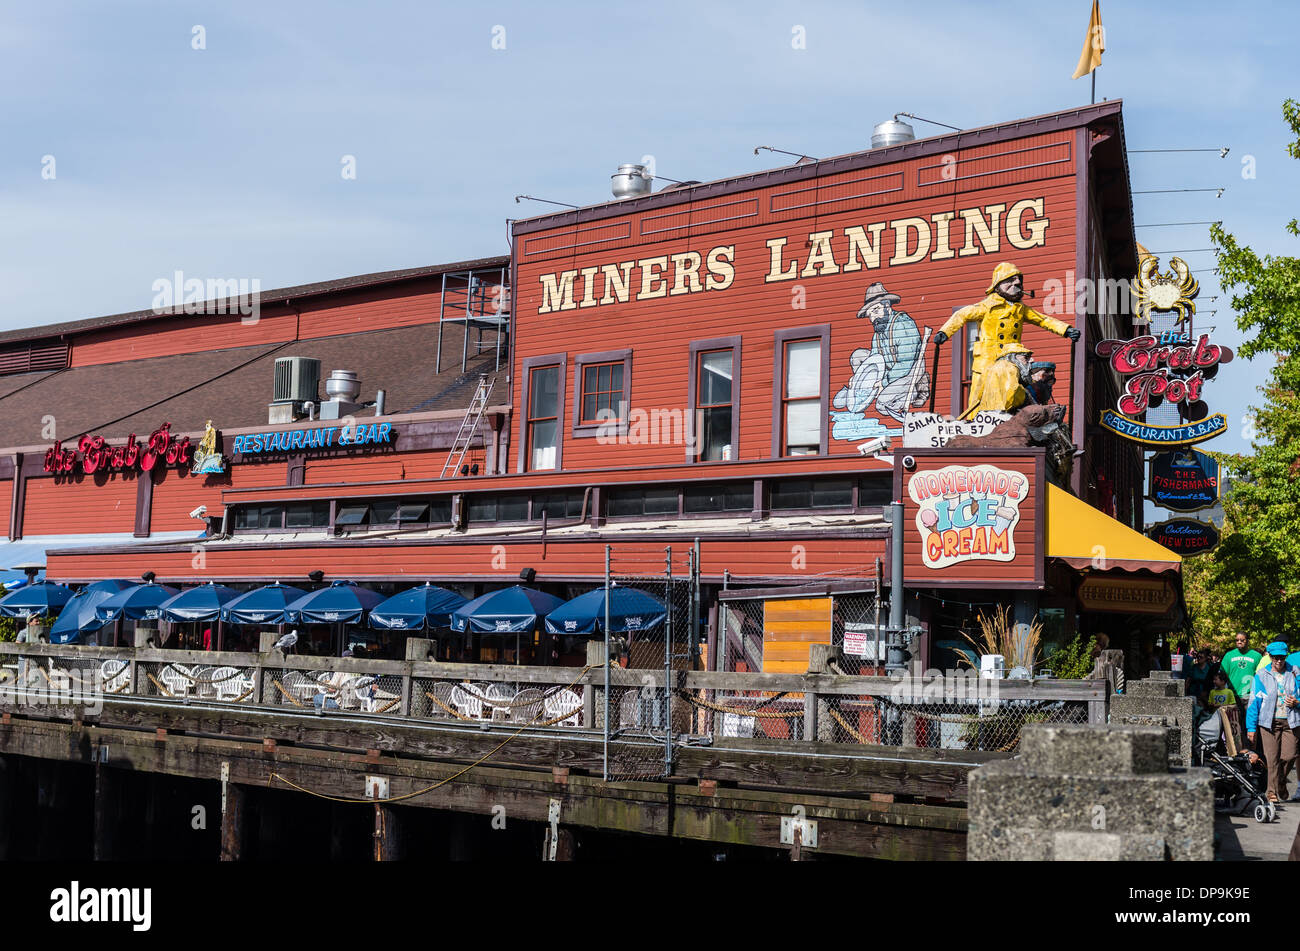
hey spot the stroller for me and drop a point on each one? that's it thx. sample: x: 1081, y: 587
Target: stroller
x: 1238, y: 782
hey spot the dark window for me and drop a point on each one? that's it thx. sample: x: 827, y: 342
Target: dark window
x: 394, y: 512
x: 650, y: 500
x: 811, y: 493
x: 801, y: 398
x: 352, y: 515
x: 713, y: 403
x: 721, y: 497
x: 440, y: 511
x: 602, y: 393
x: 493, y: 508
x: 307, y: 515
x: 543, y: 417
x: 558, y: 505
x: 255, y: 517
x: 875, y: 490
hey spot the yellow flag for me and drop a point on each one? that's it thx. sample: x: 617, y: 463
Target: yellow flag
x: 1094, y: 44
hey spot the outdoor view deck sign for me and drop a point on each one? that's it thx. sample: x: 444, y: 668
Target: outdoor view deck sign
x: 1166, y: 368
x: 93, y: 454
x: 1185, y: 536
x: 321, y: 437
x: 967, y: 513
x: 1185, y: 480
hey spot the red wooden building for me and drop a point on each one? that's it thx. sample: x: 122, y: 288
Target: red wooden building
x: 709, y: 365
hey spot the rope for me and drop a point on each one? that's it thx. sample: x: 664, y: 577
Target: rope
x: 456, y: 713
x: 288, y: 696
x: 510, y: 704
x: 159, y: 685
x: 456, y: 775
x: 755, y: 712
x: 835, y: 715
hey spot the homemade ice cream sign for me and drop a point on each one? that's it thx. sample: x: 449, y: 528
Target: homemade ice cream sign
x: 967, y: 513
x: 972, y: 517
x: 356, y: 436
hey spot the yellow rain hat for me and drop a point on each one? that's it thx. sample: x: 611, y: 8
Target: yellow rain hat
x: 1000, y: 273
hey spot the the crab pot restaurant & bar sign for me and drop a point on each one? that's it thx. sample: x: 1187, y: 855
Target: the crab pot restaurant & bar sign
x: 728, y: 368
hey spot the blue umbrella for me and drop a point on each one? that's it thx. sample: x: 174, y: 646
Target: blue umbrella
x: 511, y: 611
x: 343, y: 602
x: 203, y: 603
x: 630, y: 609
x: 138, y: 603
x: 416, y: 609
x: 263, y: 605
x: 78, y: 615
x: 44, y: 597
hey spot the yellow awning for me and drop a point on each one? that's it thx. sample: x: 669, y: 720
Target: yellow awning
x: 1084, y: 537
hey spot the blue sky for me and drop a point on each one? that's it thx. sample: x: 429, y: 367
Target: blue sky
x: 225, y: 161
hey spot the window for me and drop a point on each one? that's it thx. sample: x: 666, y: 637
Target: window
x: 544, y: 386
x: 812, y: 493
x: 800, y: 404
x: 718, y: 497
x: 352, y: 515
x: 647, y: 500
x: 262, y: 517
x: 715, y: 388
x: 602, y: 394
x: 557, y: 506
x: 395, y: 511
x: 874, y: 490
x: 498, y: 508
x: 307, y: 515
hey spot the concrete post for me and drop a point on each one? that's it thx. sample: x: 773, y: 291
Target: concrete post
x: 1081, y: 792
x: 1159, y: 701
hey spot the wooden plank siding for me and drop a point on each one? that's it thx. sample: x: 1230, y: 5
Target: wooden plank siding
x: 6, y: 505
x: 81, y: 504
x: 790, y: 627
x: 178, y: 492
x: 341, y: 313
x: 491, y: 558
x: 659, y: 331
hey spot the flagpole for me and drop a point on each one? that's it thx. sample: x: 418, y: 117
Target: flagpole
x: 1094, y: 87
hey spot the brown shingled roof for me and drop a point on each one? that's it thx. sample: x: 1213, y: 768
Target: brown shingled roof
x: 277, y: 295
x: 233, y: 387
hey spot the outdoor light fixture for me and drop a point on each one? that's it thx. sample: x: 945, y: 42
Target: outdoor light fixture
x: 316, y: 575
x: 527, y: 575
x: 148, y: 577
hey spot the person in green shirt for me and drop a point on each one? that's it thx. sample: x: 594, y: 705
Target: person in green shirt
x: 1240, y: 666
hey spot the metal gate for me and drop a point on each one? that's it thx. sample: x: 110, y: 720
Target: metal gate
x: 643, y: 716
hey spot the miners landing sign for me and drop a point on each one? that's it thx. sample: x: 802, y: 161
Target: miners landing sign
x: 967, y: 513
x: 93, y: 454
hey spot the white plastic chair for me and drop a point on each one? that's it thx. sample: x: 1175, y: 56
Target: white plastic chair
x: 202, y: 689
x: 354, y: 694
x: 468, y: 705
x: 499, y: 698
x: 300, y: 686
x: 173, y: 678
x: 564, y: 701
x: 527, y: 705
x: 114, y: 675
x: 228, y: 686
x: 445, y: 692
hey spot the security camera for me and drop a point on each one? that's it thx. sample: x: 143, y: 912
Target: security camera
x: 874, y: 445
x: 909, y: 463
x: 199, y: 512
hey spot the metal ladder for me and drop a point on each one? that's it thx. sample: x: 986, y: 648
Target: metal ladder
x: 468, y: 426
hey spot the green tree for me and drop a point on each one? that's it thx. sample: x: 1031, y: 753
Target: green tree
x: 1252, y: 580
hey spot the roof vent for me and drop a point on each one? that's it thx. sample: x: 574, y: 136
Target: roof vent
x: 296, y: 378
x: 630, y: 181
x: 343, y: 387
x: 891, y: 132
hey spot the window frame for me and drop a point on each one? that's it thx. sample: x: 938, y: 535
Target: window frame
x: 530, y: 364
x: 699, y: 347
x: 781, y: 339
x: 581, y: 430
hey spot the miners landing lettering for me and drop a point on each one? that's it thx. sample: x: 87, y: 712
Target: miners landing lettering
x: 93, y: 454
x: 944, y: 236
x: 1152, y: 361
x: 967, y: 513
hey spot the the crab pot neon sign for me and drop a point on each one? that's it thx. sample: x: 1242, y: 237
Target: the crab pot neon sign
x: 1150, y: 362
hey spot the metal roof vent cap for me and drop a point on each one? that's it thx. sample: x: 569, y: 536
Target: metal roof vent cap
x: 630, y: 181
x: 891, y: 132
x: 343, y: 385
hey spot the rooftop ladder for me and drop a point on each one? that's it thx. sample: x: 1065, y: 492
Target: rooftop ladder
x: 468, y: 427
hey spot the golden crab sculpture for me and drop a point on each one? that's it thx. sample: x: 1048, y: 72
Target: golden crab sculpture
x: 1155, y: 291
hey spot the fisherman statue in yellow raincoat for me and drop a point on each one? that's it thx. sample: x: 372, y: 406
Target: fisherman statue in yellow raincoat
x: 1001, y: 316
x: 1006, y: 382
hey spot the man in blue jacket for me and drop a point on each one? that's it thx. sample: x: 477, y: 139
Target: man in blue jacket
x: 1273, y: 713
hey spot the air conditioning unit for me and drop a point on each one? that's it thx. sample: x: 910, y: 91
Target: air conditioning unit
x: 297, y: 379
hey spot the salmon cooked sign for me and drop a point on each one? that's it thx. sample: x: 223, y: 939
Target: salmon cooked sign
x: 967, y: 513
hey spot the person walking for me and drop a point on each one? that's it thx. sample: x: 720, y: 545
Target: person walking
x: 1240, y: 665
x: 1274, y: 715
